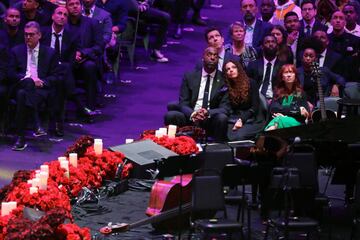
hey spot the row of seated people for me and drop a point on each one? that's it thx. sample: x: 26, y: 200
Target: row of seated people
x: 234, y: 104
x: 113, y: 15
x: 81, y: 57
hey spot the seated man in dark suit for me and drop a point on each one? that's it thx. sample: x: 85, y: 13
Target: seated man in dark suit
x: 33, y: 68
x: 309, y: 24
x: 89, y: 55
x: 327, y: 57
x: 215, y: 39
x: 330, y: 82
x: 11, y: 35
x: 264, y: 70
x: 346, y: 45
x: 255, y: 28
x: 104, y: 17
x: 203, y: 100
x: 65, y: 44
x: 30, y: 12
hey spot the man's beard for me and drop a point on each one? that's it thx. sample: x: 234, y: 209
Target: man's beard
x: 248, y: 17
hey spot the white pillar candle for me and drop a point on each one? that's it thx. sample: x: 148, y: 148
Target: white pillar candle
x: 129, y: 140
x: 37, y: 175
x: 163, y: 131
x: 4, y: 208
x: 62, y: 159
x: 65, y: 165
x: 44, y: 168
x: 37, y: 171
x: 158, y: 133
x: 35, y: 182
x: 172, y: 131
x: 73, y: 159
x: 29, y: 182
x: 98, y: 146
x: 43, y: 180
x: 33, y: 190
x: 12, y: 206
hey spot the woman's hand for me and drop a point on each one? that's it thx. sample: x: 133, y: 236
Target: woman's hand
x: 237, y: 125
x: 277, y: 115
x: 304, y: 112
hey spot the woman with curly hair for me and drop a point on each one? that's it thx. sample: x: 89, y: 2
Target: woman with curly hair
x: 289, y: 107
x: 244, y: 120
x: 237, y: 47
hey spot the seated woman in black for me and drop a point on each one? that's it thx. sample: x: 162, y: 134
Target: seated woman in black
x: 244, y: 122
x: 289, y: 107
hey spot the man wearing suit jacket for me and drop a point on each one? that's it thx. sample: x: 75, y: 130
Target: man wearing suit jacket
x: 89, y: 55
x: 30, y: 12
x: 65, y: 47
x: 346, y: 45
x: 32, y: 71
x: 215, y: 39
x: 327, y: 57
x: 255, y: 28
x: 11, y: 35
x: 92, y: 11
x: 264, y: 70
x: 309, y: 24
x: 203, y: 99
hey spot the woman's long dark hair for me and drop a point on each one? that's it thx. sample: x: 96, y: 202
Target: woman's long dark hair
x: 238, y: 87
x: 283, y: 32
x: 281, y: 90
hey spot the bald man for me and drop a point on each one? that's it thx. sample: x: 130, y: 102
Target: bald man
x: 346, y: 45
x: 203, y: 101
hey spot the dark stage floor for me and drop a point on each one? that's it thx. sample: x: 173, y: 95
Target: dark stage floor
x: 138, y: 106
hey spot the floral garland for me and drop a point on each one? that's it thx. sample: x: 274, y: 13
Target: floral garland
x: 182, y: 145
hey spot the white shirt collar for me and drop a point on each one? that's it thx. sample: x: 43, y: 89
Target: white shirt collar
x: 311, y: 24
x: 323, y: 54
x: 252, y: 25
x: 53, y: 31
x: 204, y: 73
x: 272, y: 61
x: 35, y: 49
x: 92, y: 9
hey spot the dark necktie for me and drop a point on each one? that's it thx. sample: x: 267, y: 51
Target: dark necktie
x: 57, y: 44
x: 308, y: 31
x: 266, y: 81
x: 206, y: 93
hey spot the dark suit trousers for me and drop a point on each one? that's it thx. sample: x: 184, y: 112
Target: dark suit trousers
x: 87, y: 72
x: 197, y: 5
x: 3, y: 100
x: 215, y: 126
x: 27, y: 97
x: 161, y: 18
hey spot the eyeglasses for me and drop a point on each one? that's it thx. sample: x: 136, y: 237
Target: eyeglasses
x: 30, y: 34
x: 307, y: 9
